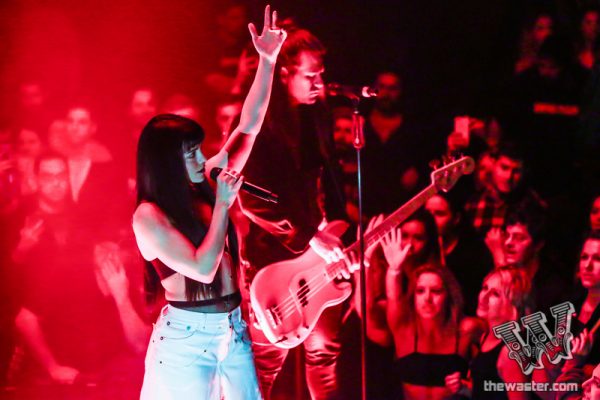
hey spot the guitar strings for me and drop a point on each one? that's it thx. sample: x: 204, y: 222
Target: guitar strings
x: 287, y: 309
x: 288, y: 304
x: 283, y: 307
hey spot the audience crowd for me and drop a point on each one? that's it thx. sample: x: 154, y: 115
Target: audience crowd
x: 519, y: 235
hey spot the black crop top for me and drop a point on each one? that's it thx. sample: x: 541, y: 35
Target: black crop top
x: 425, y: 369
x: 484, y: 368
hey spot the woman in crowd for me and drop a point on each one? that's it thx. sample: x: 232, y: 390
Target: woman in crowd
x: 423, y: 320
x: 432, y: 341
x: 199, y: 347
x: 532, y: 38
x: 587, y: 44
x: 588, y: 305
x: 504, y: 297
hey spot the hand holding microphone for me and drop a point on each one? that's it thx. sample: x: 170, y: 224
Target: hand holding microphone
x: 247, y: 187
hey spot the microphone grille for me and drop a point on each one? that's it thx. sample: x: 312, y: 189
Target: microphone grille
x: 215, y: 172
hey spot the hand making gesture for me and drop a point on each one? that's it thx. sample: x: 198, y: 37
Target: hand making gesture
x: 271, y: 38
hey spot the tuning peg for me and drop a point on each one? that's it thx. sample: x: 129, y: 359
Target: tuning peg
x: 446, y: 160
x: 434, y: 164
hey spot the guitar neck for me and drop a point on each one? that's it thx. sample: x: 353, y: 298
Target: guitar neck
x: 396, y: 218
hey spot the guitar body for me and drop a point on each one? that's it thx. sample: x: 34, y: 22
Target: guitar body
x: 288, y: 297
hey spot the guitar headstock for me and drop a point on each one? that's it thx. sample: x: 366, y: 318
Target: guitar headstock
x: 445, y: 175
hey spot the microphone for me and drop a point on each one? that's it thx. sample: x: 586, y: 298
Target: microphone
x: 249, y: 188
x: 352, y: 92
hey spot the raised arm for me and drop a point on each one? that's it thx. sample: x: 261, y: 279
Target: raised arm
x: 240, y: 142
x: 394, y: 255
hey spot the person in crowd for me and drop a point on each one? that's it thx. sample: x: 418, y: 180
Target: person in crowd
x: 293, y: 157
x: 462, y: 252
x: 10, y: 196
x: 587, y: 304
x: 576, y: 372
x: 520, y: 243
x: 181, y: 104
x: 200, y: 347
x: 74, y: 296
x: 391, y: 155
x: 582, y: 368
x: 504, y: 297
x: 442, y: 341
x: 420, y: 232
x: 226, y: 113
x: 28, y: 147
x: 587, y: 45
x: 595, y: 214
x: 428, y: 314
x: 532, y: 38
x: 346, y: 154
x: 543, y: 108
x: 33, y: 108
x: 233, y: 59
x: 142, y: 106
x: 94, y: 176
x: 507, y: 190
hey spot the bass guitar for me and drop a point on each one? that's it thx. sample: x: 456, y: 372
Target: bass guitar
x: 288, y: 297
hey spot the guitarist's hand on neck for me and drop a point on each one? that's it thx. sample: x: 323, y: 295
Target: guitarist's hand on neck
x: 329, y: 248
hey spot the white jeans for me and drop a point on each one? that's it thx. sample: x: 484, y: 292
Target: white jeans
x: 200, y: 356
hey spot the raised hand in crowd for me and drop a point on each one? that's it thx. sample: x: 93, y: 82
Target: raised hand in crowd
x: 394, y: 252
x: 112, y: 280
x: 494, y: 240
x: 29, y: 236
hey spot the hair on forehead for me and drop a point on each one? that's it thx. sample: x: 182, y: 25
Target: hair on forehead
x: 516, y: 287
x: 298, y: 41
x: 49, y: 156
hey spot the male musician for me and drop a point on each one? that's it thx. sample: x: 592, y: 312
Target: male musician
x: 292, y: 157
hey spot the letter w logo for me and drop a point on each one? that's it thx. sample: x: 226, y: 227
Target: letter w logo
x: 538, y: 339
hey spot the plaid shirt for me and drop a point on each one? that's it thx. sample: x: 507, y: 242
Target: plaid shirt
x: 487, y: 209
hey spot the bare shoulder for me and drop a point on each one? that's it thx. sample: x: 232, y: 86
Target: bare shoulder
x: 147, y: 214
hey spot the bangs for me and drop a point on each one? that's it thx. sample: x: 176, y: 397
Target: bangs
x: 189, y: 143
x: 192, y: 135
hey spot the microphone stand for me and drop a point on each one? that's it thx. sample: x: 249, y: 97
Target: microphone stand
x: 359, y: 143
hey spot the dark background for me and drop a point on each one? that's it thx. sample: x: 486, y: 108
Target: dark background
x: 453, y: 55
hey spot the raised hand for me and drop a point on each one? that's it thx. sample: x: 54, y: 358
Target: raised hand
x: 393, y: 251
x: 31, y: 232
x: 494, y: 241
x: 582, y: 344
x: 269, y: 42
